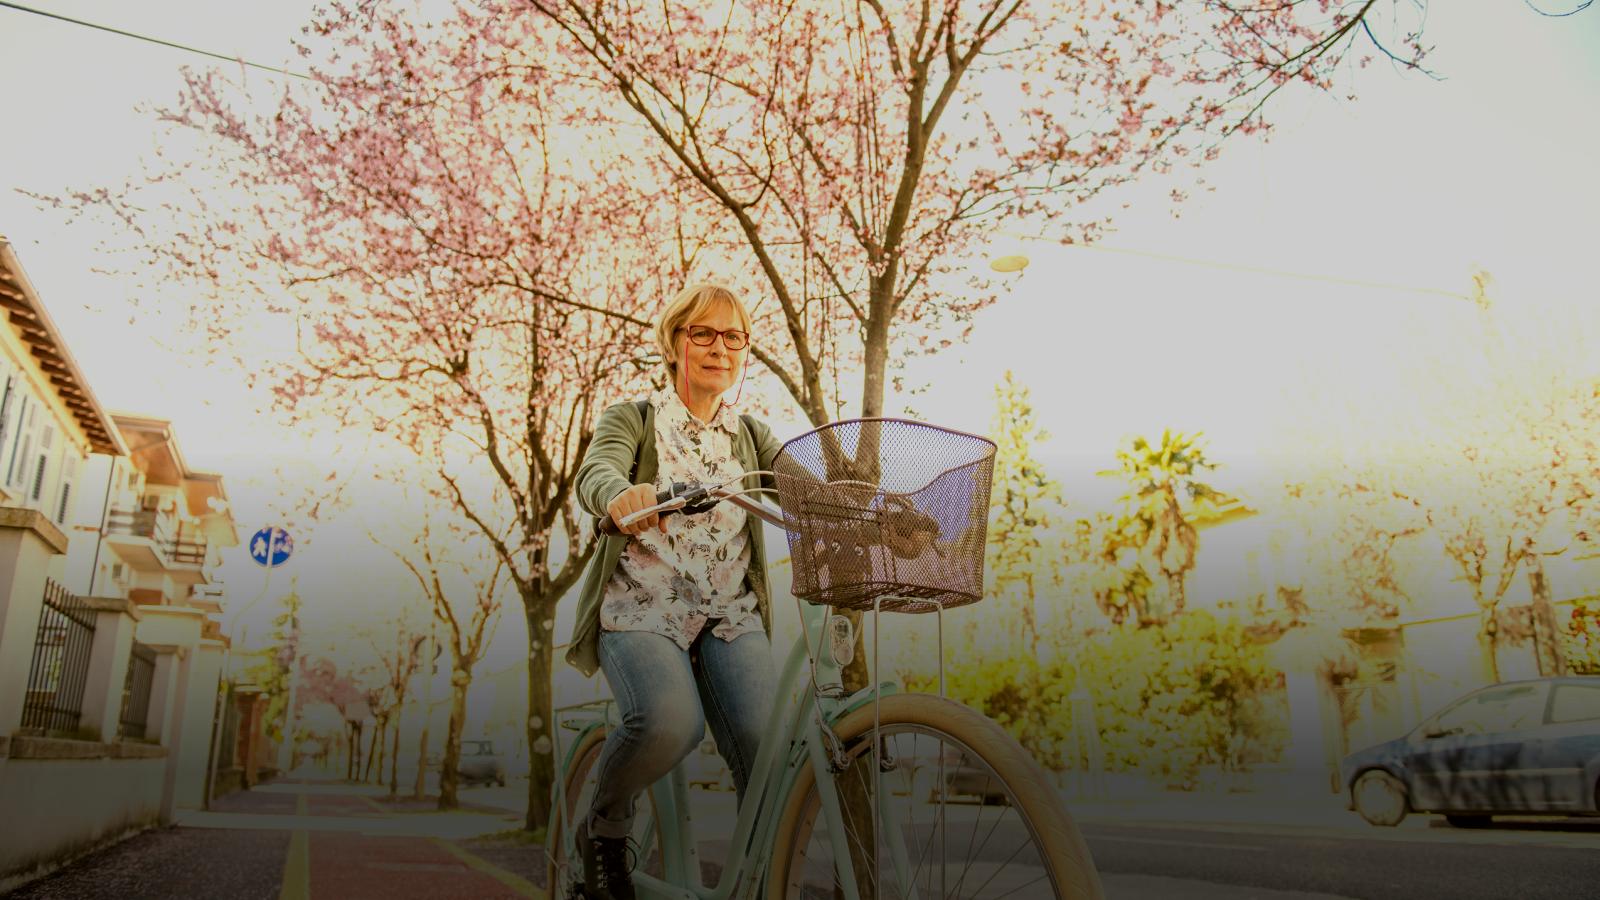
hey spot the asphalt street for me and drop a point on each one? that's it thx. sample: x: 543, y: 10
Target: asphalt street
x: 1520, y: 861
x: 306, y: 838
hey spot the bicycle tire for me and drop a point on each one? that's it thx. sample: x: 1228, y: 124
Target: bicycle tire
x: 1066, y: 857
x: 584, y: 759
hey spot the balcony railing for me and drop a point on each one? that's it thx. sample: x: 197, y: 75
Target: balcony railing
x: 178, y: 545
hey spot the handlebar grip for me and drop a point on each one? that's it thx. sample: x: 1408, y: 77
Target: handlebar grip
x: 606, y: 526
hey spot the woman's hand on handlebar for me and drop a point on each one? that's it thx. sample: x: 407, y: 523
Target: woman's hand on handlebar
x: 632, y: 500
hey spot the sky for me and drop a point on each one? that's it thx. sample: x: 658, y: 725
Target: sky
x: 1291, y: 306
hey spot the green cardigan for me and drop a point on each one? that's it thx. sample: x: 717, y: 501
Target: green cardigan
x: 620, y: 438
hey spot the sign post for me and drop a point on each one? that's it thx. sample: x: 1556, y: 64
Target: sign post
x: 271, y: 547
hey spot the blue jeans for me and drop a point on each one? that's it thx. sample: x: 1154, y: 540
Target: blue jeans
x: 666, y: 696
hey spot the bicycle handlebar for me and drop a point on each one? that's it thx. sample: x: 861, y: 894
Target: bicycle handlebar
x: 679, y: 497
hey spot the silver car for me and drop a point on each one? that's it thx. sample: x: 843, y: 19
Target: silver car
x: 480, y: 764
x: 1518, y: 747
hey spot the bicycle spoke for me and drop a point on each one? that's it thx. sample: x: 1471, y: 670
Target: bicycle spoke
x: 974, y: 837
x: 992, y: 875
x: 1043, y: 876
x: 929, y: 864
x: 971, y: 857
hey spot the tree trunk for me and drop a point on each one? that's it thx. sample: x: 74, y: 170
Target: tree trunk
x: 449, y: 774
x: 1488, y: 641
x: 1177, y: 593
x: 353, y: 771
x: 374, y: 747
x: 419, y: 790
x: 541, y: 715
x: 429, y: 672
x: 1546, y: 632
x: 394, y: 753
x: 382, y: 740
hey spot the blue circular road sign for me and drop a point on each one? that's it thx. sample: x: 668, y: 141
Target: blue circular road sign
x: 271, y: 546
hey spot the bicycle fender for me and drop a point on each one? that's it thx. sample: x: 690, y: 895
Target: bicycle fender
x: 565, y: 764
x: 859, y: 699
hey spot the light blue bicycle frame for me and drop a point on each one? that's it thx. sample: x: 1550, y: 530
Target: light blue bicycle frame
x: 793, y: 738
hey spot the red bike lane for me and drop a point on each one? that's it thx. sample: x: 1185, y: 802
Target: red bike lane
x: 347, y: 845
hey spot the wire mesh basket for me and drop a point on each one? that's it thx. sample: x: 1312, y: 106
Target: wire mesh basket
x: 886, y: 511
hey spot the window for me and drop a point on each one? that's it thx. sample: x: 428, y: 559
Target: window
x: 19, y: 450
x: 1505, y: 708
x: 1575, y: 703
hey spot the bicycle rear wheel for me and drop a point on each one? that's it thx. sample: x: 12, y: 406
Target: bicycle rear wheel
x: 566, y: 866
x: 936, y: 752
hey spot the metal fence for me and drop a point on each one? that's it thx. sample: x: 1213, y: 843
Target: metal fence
x: 136, y: 692
x: 60, y: 668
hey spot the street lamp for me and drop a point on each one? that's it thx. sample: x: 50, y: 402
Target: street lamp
x: 1012, y: 262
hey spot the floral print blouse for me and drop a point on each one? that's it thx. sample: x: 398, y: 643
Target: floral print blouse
x: 673, y: 582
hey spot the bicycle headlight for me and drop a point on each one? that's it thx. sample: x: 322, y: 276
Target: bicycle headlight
x: 841, y: 640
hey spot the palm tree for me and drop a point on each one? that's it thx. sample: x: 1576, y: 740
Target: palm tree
x: 1165, y: 500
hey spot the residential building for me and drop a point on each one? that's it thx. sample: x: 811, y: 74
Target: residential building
x: 151, y: 530
x: 108, y: 674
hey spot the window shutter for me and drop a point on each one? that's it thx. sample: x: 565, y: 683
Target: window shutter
x: 69, y: 475
x: 38, y: 478
x: 17, y: 451
x: 42, y: 468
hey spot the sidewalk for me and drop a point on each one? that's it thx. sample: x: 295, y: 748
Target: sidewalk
x: 296, y: 839
x: 317, y: 838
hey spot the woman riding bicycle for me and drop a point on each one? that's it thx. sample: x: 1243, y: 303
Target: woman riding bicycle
x: 674, y: 610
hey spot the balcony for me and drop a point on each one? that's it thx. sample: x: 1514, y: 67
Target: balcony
x: 153, y: 541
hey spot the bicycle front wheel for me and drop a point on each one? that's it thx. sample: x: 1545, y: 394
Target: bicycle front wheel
x: 964, y: 811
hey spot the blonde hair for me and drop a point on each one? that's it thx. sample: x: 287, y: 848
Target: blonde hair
x: 686, y: 306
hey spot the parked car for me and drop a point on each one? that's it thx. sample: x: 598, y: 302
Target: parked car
x: 1518, y: 747
x: 975, y: 783
x: 963, y: 781
x: 480, y: 764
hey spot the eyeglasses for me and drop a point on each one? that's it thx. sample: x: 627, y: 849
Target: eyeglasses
x: 705, y: 335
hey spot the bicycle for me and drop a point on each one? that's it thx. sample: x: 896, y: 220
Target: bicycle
x: 854, y: 541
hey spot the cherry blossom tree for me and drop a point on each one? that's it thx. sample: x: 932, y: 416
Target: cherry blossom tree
x: 465, y: 601
x: 453, y: 266
x: 400, y: 656
x: 322, y: 682
x: 861, y: 153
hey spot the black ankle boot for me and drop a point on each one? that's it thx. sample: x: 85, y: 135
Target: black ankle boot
x: 605, y: 866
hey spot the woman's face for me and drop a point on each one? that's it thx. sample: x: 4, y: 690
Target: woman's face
x: 709, y: 371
